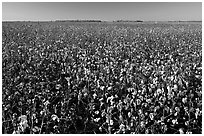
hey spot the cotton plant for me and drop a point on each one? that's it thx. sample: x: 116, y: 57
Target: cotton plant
x: 23, y: 124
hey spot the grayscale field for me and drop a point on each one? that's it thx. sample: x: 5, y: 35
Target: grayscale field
x: 90, y: 76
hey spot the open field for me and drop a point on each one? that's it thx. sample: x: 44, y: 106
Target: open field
x: 60, y: 77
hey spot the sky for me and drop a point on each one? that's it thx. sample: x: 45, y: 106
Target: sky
x: 106, y: 11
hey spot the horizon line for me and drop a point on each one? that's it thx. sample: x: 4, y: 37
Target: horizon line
x: 81, y: 20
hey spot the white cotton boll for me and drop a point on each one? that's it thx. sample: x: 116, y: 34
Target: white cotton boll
x: 159, y: 91
x: 172, y: 78
x: 142, y: 124
x: 102, y: 87
x: 131, y: 124
x: 148, y: 100
x: 46, y: 103
x: 97, y: 112
x: 126, y: 61
x: 107, y: 121
x: 134, y: 93
x: 109, y: 88
x: 151, y: 115
x: 173, y: 121
x: 58, y: 86
x: 169, y: 89
x: 181, y: 131
x: 140, y: 111
x: 128, y: 127
x: 121, y: 126
x: 196, y: 115
x: 97, y: 119
x: 188, y: 132
x: 100, y: 128
x: 41, y: 112
x: 111, y: 122
x: 145, y: 39
x: 23, y: 122
x: 162, y: 72
x: 129, y: 114
x: 54, y: 117
x: 79, y: 96
x: 121, y: 117
x: 16, y: 132
x: 85, y: 94
x: 184, y: 100
x: 94, y: 95
x: 187, y: 123
x: 175, y: 87
x: 197, y: 76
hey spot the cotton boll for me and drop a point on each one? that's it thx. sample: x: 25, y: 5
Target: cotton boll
x: 175, y: 87
x: 181, y: 131
x: 159, y: 91
x: 111, y: 122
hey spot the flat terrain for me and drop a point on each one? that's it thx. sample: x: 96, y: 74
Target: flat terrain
x: 66, y: 77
